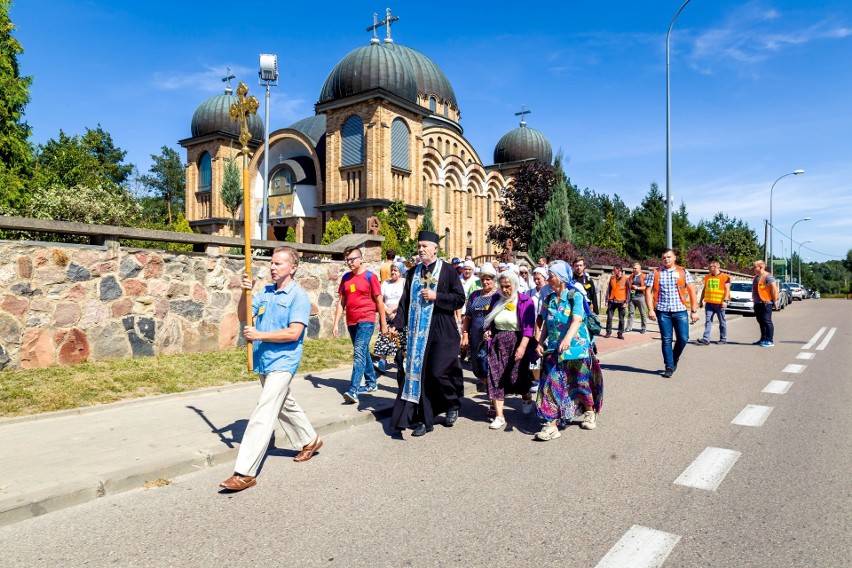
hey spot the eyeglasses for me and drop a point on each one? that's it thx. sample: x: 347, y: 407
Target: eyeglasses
x: 352, y: 259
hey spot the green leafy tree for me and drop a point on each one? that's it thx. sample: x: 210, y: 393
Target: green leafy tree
x: 398, y: 220
x: 85, y: 204
x: 291, y: 235
x: 232, y: 191
x: 386, y: 230
x: 682, y: 230
x: 167, y: 180
x: 734, y: 235
x: 89, y: 160
x: 524, y: 203
x: 15, y: 149
x: 336, y: 228
x: 647, y: 226
x: 555, y: 224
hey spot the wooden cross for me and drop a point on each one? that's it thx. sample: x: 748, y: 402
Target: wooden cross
x: 522, y: 113
x: 386, y: 22
x: 240, y: 111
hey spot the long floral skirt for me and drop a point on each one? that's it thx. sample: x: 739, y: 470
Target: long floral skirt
x: 567, y: 389
x: 505, y: 375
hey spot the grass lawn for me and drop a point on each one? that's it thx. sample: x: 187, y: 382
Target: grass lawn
x: 61, y: 388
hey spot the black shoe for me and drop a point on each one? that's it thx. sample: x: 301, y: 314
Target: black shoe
x: 421, y: 429
x: 702, y: 341
x: 608, y: 334
x: 723, y: 342
x: 621, y: 336
x: 642, y: 330
x: 452, y: 416
x: 668, y: 373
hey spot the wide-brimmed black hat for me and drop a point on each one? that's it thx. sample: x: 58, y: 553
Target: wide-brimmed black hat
x: 427, y: 236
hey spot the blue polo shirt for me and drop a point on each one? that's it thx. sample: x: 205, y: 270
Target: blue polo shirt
x: 275, y: 310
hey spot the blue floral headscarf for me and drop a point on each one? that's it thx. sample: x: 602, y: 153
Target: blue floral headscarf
x: 562, y: 270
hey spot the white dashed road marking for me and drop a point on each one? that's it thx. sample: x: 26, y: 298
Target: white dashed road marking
x: 752, y: 415
x: 805, y: 355
x: 825, y: 341
x: 640, y: 547
x: 777, y: 387
x: 814, y: 339
x: 791, y: 368
x: 709, y: 469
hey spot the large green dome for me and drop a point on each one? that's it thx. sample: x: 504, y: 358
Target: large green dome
x: 429, y: 77
x: 368, y: 68
x: 211, y: 117
x: 523, y: 144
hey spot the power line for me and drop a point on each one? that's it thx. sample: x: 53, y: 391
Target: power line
x: 783, y: 234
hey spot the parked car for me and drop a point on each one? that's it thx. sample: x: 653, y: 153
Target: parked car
x: 784, y: 298
x: 741, y: 298
x: 786, y: 290
x: 796, y: 290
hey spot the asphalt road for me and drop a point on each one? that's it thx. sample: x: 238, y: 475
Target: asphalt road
x: 469, y: 496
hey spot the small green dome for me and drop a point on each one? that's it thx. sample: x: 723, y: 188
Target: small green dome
x: 367, y: 68
x: 211, y: 117
x: 523, y: 144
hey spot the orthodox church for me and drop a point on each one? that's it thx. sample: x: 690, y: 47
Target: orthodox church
x: 386, y: 128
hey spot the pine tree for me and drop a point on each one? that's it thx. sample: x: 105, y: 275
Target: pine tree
x: 16, y: 153
x: 555, y: 224
x: 427, y: 224
x: 167, y: 179
x: 232, y: 191
x: 610, y: 237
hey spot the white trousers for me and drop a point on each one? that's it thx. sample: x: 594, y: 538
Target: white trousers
x: 275, y: 401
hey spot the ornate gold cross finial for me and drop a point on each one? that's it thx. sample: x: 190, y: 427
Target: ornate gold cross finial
x: 240, y: 111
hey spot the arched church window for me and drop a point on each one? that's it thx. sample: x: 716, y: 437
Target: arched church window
x: 433, y: 102
x: 446, y: 109
x: 446, y: 239
x: 447, y: 148
x: 353, y: 142
x: 448, y: 192
x: 469, y: 203
x: 488, y: 208
x: 399, y: 144
x: 281, y: 181
x: 205, y: 172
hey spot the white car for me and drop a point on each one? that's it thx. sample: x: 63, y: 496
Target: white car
x: 797, y: 291
x: 741, y: 298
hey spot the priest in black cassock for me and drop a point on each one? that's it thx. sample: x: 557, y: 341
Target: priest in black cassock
x: 431, y: 375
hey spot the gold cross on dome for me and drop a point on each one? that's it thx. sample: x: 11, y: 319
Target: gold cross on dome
x: 240, y: 111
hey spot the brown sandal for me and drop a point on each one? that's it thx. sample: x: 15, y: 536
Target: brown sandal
x: 238, y: 482
x: 309, y: 450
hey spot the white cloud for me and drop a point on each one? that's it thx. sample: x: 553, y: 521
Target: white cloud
x: 207, y: 80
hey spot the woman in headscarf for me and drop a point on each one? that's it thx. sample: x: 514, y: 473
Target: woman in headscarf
x: 473, y: 328
x: 509, y: 328
x: 537, y: 295
x: 571, y: 385
x: 386, y: 344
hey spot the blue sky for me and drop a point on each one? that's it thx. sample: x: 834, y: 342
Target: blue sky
x: 758, y: 88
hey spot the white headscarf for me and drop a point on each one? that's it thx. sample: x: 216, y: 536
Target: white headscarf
x: 503, y: 300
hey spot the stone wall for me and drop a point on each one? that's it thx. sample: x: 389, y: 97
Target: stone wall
x: 64, y: 304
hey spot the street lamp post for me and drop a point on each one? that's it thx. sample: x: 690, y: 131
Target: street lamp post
x: 792, y: 244
x: 800, y: 262
x: 669, y: 133
x: 268, y: 75
x: 768, y: 254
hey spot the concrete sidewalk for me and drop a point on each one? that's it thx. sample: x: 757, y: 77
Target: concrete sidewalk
x: 56, y: 460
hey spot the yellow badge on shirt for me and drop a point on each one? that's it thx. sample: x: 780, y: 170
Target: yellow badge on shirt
x: 261, y: 309
x: 352, y: 288
x: 510, y: 306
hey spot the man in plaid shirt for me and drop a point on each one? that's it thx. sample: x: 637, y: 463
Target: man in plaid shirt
x: 668, y: 291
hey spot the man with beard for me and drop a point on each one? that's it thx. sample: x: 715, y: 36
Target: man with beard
x: 432, y: 381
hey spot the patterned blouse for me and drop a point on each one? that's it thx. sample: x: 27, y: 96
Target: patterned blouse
x: 558, y: 315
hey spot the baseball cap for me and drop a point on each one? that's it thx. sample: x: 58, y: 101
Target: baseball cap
x: 456, y: 260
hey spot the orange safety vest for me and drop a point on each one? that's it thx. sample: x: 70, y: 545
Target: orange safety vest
x: 681, y: 285
x: 714, y: 288
x: 618, y: 288
x: 763, y: 291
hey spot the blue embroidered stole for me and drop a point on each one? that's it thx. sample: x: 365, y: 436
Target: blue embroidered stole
x: 419, y: 321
